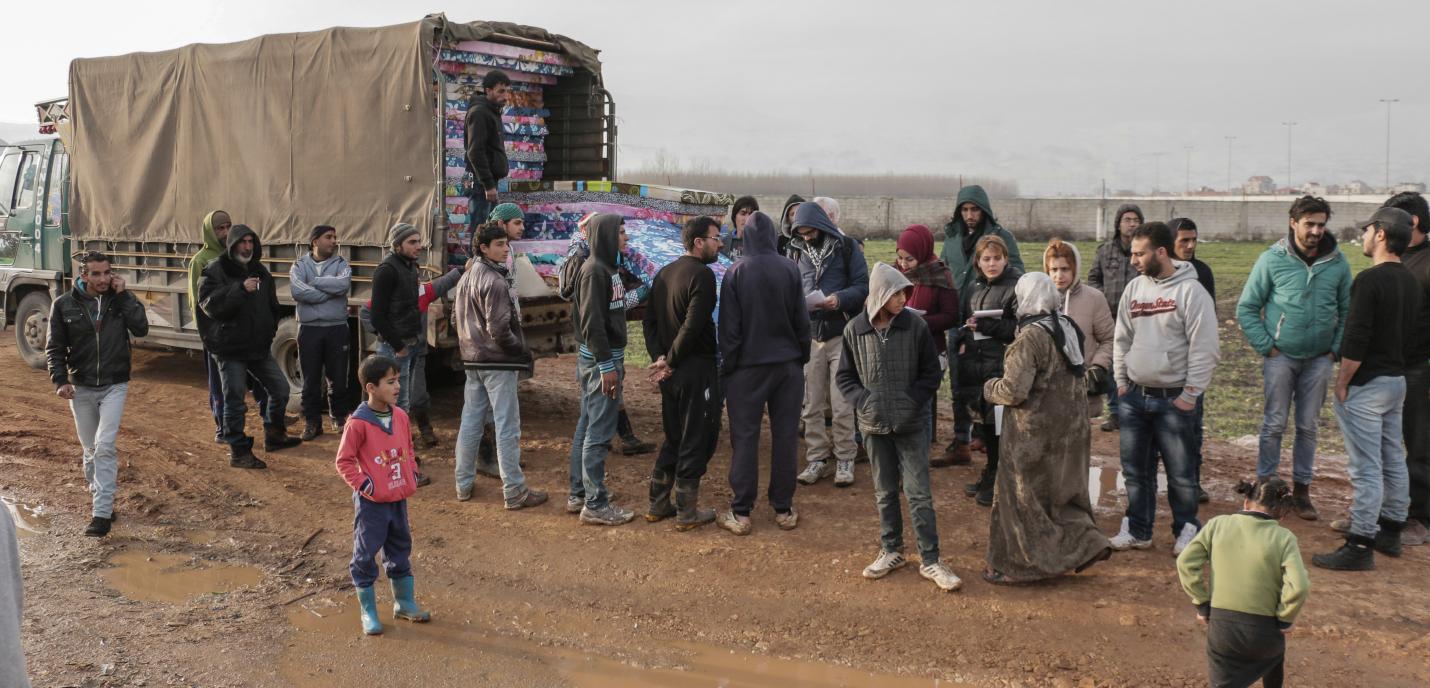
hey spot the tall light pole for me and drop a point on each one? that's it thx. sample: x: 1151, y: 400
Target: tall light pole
x: 1189, y: 170
x: 1288, y: 126
x: 1229, y: 139
x: 1388, y: 102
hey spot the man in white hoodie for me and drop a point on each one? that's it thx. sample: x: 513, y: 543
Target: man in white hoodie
x: 1164, y: 350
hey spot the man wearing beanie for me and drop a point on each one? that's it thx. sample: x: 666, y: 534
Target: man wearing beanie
x: 395, y: 312
x: 319, y: 282
x: 486, y: 151
x: 732, y: 235
x: 509, y: 217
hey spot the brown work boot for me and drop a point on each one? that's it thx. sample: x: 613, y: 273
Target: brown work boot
x: 955, y: 454
x: 1301, y: 500
x: 275, y: 437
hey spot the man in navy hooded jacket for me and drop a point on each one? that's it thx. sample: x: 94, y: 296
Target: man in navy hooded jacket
x: 831, y: 264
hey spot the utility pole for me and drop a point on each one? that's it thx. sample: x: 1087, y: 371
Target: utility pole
x: 1388, y: 102
x: 1229, y: 139
x: 1188, y: 186
x: 1288, y: 126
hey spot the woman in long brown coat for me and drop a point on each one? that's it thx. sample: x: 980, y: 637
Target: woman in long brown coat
x: 1042, y: 523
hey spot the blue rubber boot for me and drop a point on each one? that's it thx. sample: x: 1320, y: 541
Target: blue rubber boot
x: 403, y: 605
x: 367, y: 604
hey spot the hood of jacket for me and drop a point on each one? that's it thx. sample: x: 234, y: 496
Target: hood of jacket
x: 760, y: 236
x: 1182, y: 272
x: 605, y: 238
x: 786, y: 228
x: 974, y: 194
x: 1117, y: 223
x: 211, y: 240
x: 1325, y: 249
x: 811, y: 215
x: 235, y: 235
x: 1076, y: 266
x: 884, y: 282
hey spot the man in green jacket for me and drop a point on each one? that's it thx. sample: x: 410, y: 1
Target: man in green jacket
x: 1293, y: 311
x: 216, y: 226
x: 972, y: 220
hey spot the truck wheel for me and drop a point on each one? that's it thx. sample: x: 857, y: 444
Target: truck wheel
x: 285, y: 352
x: 32, y: 328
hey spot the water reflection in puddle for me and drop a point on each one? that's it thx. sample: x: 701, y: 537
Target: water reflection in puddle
x: 1106, y: 484
x: 451, y: 648
x: 150, y: 577
x: 30, y: 519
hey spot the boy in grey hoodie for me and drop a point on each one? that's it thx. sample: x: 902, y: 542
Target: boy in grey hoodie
x: 1164, y: 350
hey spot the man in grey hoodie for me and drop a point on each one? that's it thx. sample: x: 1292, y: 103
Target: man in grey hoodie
x: 319, y: 283
x: 1164, y: 351
x: 1110, y: 273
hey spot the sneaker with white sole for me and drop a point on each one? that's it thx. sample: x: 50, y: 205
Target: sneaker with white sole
x: 729, y: 520
x: 887, y: 563
x: 1189, y: 531
x: 1124, y: 541
x: 941, y: 576
x: 788, y: 520
x: 612, y: 515
x: 815, y: 472
x: 844, y: 474
x: 575, y: 503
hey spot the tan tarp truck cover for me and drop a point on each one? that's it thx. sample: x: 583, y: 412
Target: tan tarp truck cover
x: 284, y: 131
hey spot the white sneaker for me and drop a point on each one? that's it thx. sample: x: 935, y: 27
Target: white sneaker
x: 941, y: 576
x: 1189, y: 531
x: 844, y: 474
x: 886, y: 564
x: 1123, y: 540
x: 814, y: 472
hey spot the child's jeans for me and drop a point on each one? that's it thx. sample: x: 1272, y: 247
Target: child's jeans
x: 380, y: 526
x: 900, y: 462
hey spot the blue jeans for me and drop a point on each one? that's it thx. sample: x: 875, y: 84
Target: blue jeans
x: 594, y: 430
x: 1112, y: 392
x: 491, y: 394
x: 1151, y: 426
x: 404, y: 371
x: 236, y: 374
x: 900, y: 464
x: 97, y: 411
x: 1371, y: 424
x: 1286, y: 379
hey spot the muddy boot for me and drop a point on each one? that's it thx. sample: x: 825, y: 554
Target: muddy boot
x: 1356, y: 555
x: 955, y: 454
x: 275, y: 437
x: 339, y: 424
x: 985, y: 479
x: 312, y: 429
x: 1387, y: 541
x: 428, y: 439
x: 403, y: 605
x: 660, y: 485
x: 1301, y: 500
x: 630, y: 444
x: 687, y: 504
x: 422, y: 479
x: 241, y: 455
x: 367, y: 606
x: 487, y: 454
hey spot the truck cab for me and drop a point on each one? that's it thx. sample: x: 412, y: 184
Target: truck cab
x: 34, y: 238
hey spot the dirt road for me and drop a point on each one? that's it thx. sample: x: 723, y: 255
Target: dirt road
x: 203, y: 580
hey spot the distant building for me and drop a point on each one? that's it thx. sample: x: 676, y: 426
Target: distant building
x: 1356, y: 188
x: 1417, y: 187
x: 1258, y: 186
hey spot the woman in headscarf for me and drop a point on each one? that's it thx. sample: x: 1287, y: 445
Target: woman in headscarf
x: 933, y: 295
x: 1042, y: 522
x: 1088, y: 308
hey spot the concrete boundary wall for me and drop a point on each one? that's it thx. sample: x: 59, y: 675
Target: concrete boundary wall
x: 1252, y: 218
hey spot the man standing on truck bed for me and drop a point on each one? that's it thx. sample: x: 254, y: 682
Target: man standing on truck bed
x: 88, y: 356
x: 319, y: 282
x: 486, y: 149
x: 238, y: 317
x: 395, y: 311
x: 216, y: 226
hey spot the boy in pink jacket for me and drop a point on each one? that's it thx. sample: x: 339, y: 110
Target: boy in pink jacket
x: 375, y: 458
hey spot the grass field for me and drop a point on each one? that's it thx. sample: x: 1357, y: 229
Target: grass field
x: 1235, y: 398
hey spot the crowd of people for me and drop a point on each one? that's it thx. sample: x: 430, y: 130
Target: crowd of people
x: 852, y: 357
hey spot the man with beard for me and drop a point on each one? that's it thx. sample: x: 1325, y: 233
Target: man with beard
x: 319, y: 283
x: 396, y: 312
x: 1110, y: 273
x: 485, y: 149
x: 238, y: 317
x: 680, y: 337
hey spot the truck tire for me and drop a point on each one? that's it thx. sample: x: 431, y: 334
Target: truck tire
x: 32, y: 328
x: 285, y: 352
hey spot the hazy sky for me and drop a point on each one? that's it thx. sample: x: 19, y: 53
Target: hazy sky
x: 1054, y: 95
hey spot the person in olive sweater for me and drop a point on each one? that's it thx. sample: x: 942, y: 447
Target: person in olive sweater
x: 88, y: 357
x: 1257, y: 589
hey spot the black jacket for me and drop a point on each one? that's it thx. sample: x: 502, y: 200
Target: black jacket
x: 89, y: 337
x: 233, y: 322
x: 394, y: 311
x: 486, y: 152
x: 763, y: 319
x: 982, y: 358
x: 600, y: 295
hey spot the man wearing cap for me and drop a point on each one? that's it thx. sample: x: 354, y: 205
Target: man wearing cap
x: 319, y: 282
x: 1370, y: 393
x: 395, y: 313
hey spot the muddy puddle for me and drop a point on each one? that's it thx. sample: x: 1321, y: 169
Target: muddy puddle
x: 327, y: 632
x: 30, y: 519
x: 1106, y: 484
x: 174, y: 578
